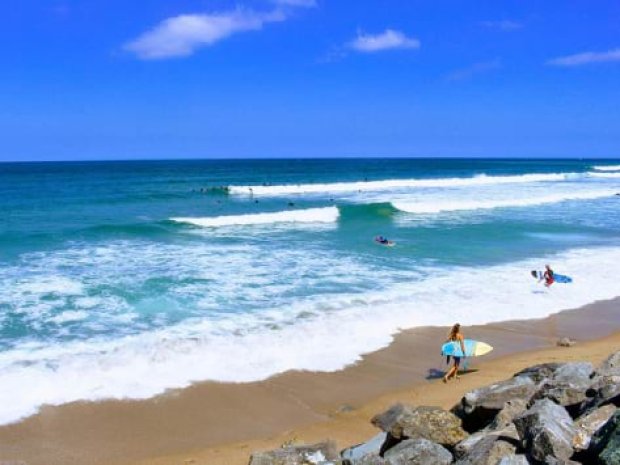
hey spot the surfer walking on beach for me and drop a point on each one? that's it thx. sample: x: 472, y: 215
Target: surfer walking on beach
x: 455, y: 335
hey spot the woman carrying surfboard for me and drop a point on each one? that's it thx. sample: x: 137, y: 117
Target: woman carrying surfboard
x: 455, y: 335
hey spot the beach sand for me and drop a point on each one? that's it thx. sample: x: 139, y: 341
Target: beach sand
x: 222, y: 423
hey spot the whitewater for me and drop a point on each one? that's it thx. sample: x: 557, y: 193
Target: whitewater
x: 121, y: 281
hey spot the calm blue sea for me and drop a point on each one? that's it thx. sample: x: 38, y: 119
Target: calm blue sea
x: 123, y: 279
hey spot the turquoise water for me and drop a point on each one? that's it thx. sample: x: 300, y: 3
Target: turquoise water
x: 122, y: 279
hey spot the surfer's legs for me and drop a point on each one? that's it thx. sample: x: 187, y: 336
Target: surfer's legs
x: 454, y: 369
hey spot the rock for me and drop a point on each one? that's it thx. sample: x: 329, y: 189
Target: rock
x: 372, y: 447
x: 546, y: 429
x: 479, y: 407
x: 432, y: 423
x: 515, y: 459
x: 587, y: 425
x: 567, y: 386
x: 611, y: 366
x: 508, y: 434
x: 487, y: 451
x: 605, y: 443
x: 581, y: 371
x: 507, y: 414
x: 605, y: 389
x: 418, y: 452
x: 323, y: 453
x: 539, y: 372
x: 565, y: 342
x: 555, y: 461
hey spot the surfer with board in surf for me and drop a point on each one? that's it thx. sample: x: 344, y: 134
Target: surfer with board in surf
x: 548, y: 276
x: 383, y: 241
x: 454, y: 336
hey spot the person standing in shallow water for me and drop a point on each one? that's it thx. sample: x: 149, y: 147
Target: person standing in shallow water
x: 454, y: 336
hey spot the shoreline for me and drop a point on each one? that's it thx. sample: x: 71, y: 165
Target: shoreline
x: 222, y: 423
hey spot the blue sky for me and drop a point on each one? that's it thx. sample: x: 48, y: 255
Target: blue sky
x: 111, y: 79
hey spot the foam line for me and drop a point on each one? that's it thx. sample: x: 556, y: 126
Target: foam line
x: 607, y: 167
x: 455, y: 205
x: 310, y: 215
x: 482, y: 180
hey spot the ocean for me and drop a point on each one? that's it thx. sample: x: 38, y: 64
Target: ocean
x: 124, y: 279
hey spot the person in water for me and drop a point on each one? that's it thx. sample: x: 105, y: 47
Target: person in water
x: 383, y: 240
x: 455, y: 335
x: 548, y: 276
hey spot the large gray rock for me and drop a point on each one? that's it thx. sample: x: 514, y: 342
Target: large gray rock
x: 479, y: 407
x: 567, y: 386
x: 538, y: 373
x: 418, y: 452
x: 406, y: 422
x: 605, y: 443
x: 488, y: 451
x: 514, y: 459
x: 323, y: 453
x: 604, y: 389
x: 356, y: 455
x: 611, y: 366
x: 508, y: 434
x: 546, y: 430
x: 588, y: 424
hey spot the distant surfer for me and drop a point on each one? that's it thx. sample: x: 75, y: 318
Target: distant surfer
x: 548, y: 276
x: 383, y: 241
x: 454, y: 336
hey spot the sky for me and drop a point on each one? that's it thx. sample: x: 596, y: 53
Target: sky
x: 150, y: 79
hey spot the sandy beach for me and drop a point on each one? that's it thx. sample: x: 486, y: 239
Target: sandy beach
x: 221, y: 423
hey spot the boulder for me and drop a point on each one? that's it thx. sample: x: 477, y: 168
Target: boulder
x: 432, y: 423
x: 354, y: 455
x: 538, y: 373
x: 556, y: 461
x: 567, y: 386
x: 323, y: 453
x: 507, y: 434
x: 605, y: 443
x: 546, y: 430
x: 514, y: 459
x: 479, y: 407
x: 604, y: 389
x: 565, y: 342
x: 611, y: 366
x: 487, y: 451
x: 418, y: 452
x: 588, y: 424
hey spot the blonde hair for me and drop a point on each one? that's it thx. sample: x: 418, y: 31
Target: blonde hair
x: 454, y: 331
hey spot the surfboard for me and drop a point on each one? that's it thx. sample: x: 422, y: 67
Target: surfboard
x: 472, y: 348
x: 558, y: 278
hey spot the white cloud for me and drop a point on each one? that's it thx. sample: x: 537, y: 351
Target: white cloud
x: 586, y: 58
x: 470, y: 71
x: 296, y: 3
x: 182, y: 35
x: 502, y: 25
x: 389, y: 39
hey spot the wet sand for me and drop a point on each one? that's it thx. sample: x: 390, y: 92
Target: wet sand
x: 221, y: 423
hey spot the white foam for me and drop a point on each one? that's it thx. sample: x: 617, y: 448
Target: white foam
x: 391, y: 184
x: 309, y: 215
x: 611, y: 175
x: 68, y: 316
x: 450, y: 204
x: 607, y: 167
x: 252, y: 346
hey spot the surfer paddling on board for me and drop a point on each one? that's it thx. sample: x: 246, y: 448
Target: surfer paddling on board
x: 454, y: 336
x: 383, y: 241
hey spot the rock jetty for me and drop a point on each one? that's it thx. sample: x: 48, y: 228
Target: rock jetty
x: 548, y: 414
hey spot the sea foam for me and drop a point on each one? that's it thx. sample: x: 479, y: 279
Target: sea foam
x: 308, y: 335
x: 447, y: 205
x: 390, y: 184
x: 310, y: 215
